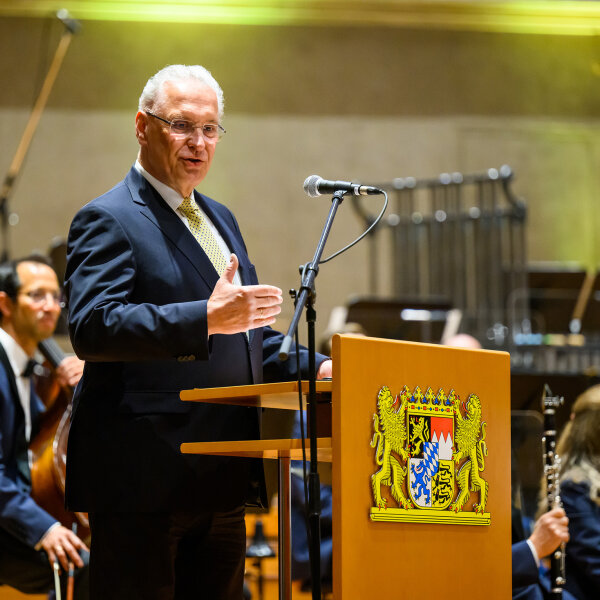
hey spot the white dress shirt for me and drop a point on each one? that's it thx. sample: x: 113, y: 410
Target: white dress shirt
x: 18, y: 361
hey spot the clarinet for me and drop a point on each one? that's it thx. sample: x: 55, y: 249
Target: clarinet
x: 552, y: 472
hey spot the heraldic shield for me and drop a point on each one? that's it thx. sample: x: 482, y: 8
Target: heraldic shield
x: 430, y: 466
x: 431, y: 450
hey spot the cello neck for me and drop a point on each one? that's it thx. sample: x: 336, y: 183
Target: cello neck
x: 51, y: 351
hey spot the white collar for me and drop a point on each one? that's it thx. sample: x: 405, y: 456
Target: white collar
x: 16, y: 355
x: 168, y: 194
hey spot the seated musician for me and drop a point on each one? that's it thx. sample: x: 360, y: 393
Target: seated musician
x: 579, y: 450
x: 549, y: 531
x: 31, y: 540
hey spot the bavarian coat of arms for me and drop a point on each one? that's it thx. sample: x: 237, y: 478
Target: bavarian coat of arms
x: 430, y: 450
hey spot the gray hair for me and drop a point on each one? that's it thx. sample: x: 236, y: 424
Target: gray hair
x: 151, y: 92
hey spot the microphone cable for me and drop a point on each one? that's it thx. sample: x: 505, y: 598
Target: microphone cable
x: 359, y: 238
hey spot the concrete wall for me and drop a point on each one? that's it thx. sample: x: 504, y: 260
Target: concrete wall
x: 366, y: 103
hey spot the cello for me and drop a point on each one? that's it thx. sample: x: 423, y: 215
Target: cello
x: 49, y: 446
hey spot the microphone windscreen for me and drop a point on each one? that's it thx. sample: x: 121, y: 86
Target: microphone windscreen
x: 311, y: 185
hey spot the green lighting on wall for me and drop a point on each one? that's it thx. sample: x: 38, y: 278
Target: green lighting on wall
x: 533, y: 17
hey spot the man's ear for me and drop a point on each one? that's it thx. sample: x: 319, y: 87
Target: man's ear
x: 6, y: 305
x: 141, y: 123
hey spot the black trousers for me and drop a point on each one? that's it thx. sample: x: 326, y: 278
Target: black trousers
x: 30, y: 572
x: 160, y: 556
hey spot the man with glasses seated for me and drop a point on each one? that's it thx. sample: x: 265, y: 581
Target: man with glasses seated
x: 31, y: 540
x: 163, y: 297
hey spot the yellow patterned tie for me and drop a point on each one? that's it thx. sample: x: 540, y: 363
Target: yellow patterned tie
x: 201, y: 231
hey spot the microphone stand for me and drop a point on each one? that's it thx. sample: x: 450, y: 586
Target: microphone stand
x: 71, y: 28
x: 307, y: 298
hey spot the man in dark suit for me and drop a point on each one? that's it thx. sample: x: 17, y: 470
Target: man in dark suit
x: 163, y: 297
x: 31, y: 540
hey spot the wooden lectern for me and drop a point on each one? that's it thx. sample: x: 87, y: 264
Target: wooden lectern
x: 420, y: 451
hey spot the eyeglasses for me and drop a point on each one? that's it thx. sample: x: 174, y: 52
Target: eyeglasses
x: 40, y: 296
x: 183, y: 128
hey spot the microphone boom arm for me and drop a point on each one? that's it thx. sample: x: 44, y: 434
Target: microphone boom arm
x: 309, y: 274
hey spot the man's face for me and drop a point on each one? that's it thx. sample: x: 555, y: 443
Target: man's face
x: 178, y: 161
x: 36, y: 309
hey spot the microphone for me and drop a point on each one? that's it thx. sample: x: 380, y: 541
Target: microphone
x: 315, y: 186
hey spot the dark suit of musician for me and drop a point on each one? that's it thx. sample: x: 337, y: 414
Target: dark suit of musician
x: 19, y: 514
x: 529, y: 581
x: 140, y: 289
x: 525, y: 573
x: 581, y: 500
x: 22, y: 522
x: 30, y: 538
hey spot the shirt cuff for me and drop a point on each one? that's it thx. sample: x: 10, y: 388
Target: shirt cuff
x: 38, y: 546
x: 535, y: 556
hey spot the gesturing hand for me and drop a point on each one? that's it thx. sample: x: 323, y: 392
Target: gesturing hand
x: 235, y: 309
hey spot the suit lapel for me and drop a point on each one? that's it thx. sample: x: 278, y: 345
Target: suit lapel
x: 36, y: 406
x: 21, y: 451
x: 154, y: 208
x: 12, y: 382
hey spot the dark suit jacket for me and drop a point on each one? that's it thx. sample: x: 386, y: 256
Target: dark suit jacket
x: 529, y: 582
x: 137, y: 284
x: 19, y: 514
x: 524, y: 568
x: 583, y: 548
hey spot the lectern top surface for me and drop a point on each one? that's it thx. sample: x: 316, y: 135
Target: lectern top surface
x: 283, y: 395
